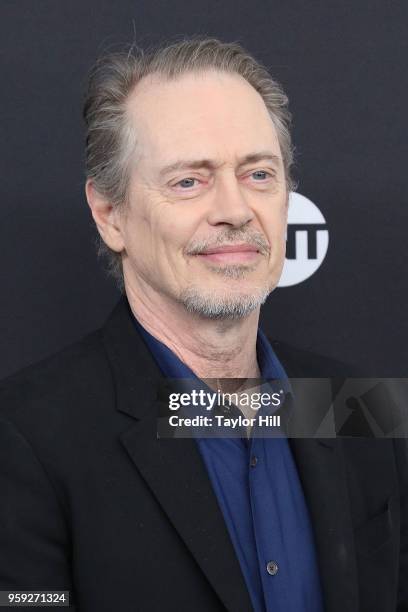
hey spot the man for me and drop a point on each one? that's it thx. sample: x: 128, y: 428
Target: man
x: 188, y: 175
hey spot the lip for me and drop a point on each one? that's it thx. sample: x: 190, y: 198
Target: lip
x: 230, y: 254
x: 231, y: 248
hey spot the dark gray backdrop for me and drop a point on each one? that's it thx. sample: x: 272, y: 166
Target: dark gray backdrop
x: 343, y: 65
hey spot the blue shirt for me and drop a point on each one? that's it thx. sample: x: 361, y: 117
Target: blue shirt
x: 258, y: 490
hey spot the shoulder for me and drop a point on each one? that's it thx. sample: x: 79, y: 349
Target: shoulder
x: 77, y: 376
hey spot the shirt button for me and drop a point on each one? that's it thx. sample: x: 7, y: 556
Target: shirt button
x: 272, y: 568
x: 254, y: 461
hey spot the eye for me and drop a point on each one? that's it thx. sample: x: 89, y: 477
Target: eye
x: 186, y: 183
x: 260, y: 175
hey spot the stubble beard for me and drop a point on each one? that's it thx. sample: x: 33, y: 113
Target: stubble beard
x: 229, y: 305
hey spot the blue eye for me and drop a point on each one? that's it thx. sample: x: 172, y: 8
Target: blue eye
x: 187, y: 182
x: 260, y: 174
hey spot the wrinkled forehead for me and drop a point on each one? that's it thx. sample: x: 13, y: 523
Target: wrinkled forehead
x: 210, y: 114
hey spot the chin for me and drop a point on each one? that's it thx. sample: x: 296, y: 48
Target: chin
x: 221, y: 304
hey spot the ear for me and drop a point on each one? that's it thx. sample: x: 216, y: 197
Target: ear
x: 107, y: 218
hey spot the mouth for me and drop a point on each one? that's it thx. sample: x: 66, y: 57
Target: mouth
x: 230, y: 254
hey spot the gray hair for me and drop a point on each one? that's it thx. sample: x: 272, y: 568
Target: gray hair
x: 110, y: 140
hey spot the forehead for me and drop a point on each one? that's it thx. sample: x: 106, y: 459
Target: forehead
x: 209, y: 113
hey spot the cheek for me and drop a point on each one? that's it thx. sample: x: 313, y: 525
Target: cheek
x: 276, y: 234
x: 176, y: 228
x: 139, y: 237
x: 162, y: 237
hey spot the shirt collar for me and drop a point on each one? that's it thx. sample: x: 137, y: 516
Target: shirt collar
x: 172, y: 367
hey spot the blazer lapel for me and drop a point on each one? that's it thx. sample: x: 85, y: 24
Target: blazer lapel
x: 322, y: 472
x: 321, y: 469
x: 174, y: 471
x: 172, y: 468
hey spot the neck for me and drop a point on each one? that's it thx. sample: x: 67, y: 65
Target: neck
x: 210, y: 348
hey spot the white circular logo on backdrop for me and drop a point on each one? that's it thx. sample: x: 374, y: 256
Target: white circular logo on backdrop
x: 307, y: 241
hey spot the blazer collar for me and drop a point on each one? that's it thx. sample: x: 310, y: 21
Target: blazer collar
x: 172, y: 468
x: 174, y: 471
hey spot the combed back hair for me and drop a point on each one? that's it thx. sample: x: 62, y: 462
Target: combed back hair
x: 111, y: 140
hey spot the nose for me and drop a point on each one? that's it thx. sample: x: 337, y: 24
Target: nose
x: 229, y: 206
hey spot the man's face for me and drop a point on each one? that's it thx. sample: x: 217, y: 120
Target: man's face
x: 207, y: 212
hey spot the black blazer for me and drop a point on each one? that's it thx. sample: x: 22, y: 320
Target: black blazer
x: 93, y: 502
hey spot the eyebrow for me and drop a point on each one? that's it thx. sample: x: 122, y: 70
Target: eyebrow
x: 195, y: 164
